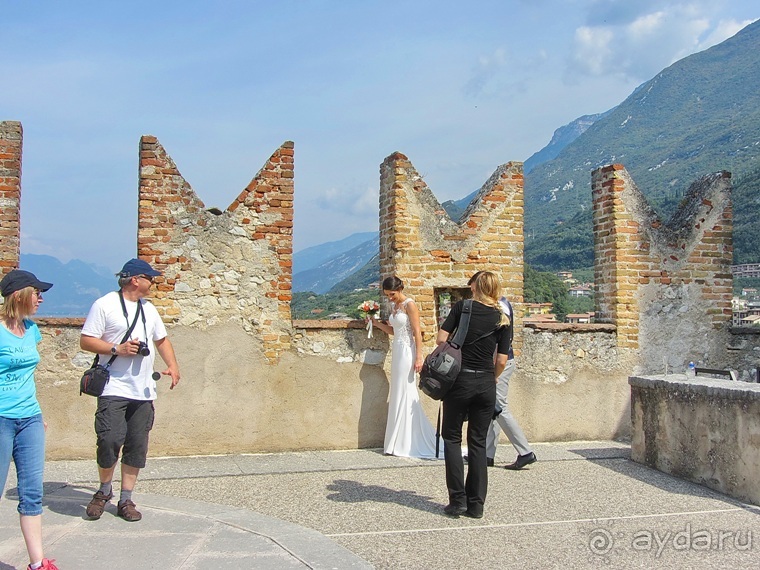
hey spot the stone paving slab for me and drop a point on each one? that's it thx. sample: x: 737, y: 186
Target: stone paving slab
x: 582, y: 505
x: 174, y: 533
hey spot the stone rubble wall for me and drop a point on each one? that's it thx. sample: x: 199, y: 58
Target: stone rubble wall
x: 253, y: 380
x: 233, y: 265
x: 329, y: 392
x: 422, y: 246
x: 11, y: 141
x: 666, y: 286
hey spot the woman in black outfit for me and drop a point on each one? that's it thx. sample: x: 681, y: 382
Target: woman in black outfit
x: 473, y: 395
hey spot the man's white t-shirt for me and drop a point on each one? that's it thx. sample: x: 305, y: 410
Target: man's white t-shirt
x: 131, y: 376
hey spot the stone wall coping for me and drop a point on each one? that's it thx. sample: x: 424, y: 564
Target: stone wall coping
x: 73, y: 322
x: 572, y: 327
x: 328, y: 324
x: 338, y: 324
x: 744, y: 330
x: 707, y: 387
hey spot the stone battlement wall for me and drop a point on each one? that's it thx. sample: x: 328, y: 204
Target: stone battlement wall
x: 256, y: 381
x: 666, y: 286
x: 11, y: 135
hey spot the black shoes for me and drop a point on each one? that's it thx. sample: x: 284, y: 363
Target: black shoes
x: 522, y: 461
x: 454, y: 511
x: 489, y: 461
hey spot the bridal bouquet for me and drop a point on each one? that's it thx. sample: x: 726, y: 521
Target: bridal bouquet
x: 369, y: 309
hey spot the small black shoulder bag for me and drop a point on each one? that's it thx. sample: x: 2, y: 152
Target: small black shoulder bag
x: 95, y: 378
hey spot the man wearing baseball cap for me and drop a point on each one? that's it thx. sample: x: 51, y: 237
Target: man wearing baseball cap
x: 125, y: 413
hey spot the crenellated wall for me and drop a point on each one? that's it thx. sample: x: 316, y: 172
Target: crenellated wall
x: 422, y: 246
x: 256, y: 381
x: 666, y: 286
x: 11, y: 141
x: 234, y: 265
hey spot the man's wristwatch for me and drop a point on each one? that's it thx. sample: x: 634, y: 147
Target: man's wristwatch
x: 113, y: 350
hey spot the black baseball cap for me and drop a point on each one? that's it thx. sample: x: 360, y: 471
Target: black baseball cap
x: 137, y: 267
x: 19, y: 279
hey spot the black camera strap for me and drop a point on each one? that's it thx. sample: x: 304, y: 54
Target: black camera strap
x: 138, y: 312
x: 126, y: 315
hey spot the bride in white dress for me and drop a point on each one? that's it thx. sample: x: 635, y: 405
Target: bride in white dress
x: 408, y: 432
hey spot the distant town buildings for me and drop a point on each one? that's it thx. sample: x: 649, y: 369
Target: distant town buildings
x: 539, y: 318
x: 746, y: 270
x: 745, y: 312
x: 567, y: 277
x: 584, y: 290
x: 580, y: 318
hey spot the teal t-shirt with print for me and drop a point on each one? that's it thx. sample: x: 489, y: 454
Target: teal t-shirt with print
x: 18, y: 359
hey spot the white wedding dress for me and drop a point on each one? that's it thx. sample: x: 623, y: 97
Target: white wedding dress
x: 408, y: 432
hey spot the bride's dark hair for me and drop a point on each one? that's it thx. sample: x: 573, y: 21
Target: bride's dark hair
x: 392, y: 283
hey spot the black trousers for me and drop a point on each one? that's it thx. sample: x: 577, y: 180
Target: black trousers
x: 473, y: 397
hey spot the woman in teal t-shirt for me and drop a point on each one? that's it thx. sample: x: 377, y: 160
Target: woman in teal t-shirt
x: 22, y: 431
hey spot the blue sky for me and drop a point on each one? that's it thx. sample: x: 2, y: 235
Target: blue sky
x: 460, y: 88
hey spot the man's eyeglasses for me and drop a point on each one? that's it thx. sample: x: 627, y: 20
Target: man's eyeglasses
x: 148, y: 277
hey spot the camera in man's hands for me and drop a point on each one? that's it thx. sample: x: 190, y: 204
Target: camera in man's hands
x: 142, y: 349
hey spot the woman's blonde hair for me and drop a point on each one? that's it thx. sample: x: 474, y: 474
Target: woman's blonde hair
x: 18, y: 305
x: 487, y: 290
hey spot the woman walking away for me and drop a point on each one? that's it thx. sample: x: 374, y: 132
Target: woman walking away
x: 473, y: 395
x: 22, y: 431
x: 408, y: 432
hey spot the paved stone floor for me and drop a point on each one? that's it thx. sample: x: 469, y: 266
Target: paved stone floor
x: 582, y: 505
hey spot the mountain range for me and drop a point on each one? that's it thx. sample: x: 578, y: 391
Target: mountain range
x: 76, y: 284
x: 700, y: 115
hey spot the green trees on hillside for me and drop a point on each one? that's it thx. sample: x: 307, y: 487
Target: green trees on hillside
x: 746, y: 203
x: 545, y: 287
x: 571, y: 244
x: 540, y: 287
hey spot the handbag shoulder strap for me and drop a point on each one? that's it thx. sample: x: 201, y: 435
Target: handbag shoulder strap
x: 464, y: 324
x: 138, y: 312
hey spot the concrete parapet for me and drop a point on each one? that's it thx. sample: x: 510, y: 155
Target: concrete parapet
x: 329, y: 391
x: 703, y: 430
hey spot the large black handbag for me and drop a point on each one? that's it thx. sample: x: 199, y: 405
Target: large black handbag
x: 442, y: 366
x: 95, y: 378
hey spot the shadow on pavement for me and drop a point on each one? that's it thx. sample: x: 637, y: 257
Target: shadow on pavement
x: 347, y: 491
x: 73, y: 504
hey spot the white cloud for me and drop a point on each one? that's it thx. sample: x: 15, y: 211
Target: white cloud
x: 484, y: 71
x: 646, y: 26
x: 593, y: 52
x: 641, y: 44
x: 353, y: 202
x: 721, y: 32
